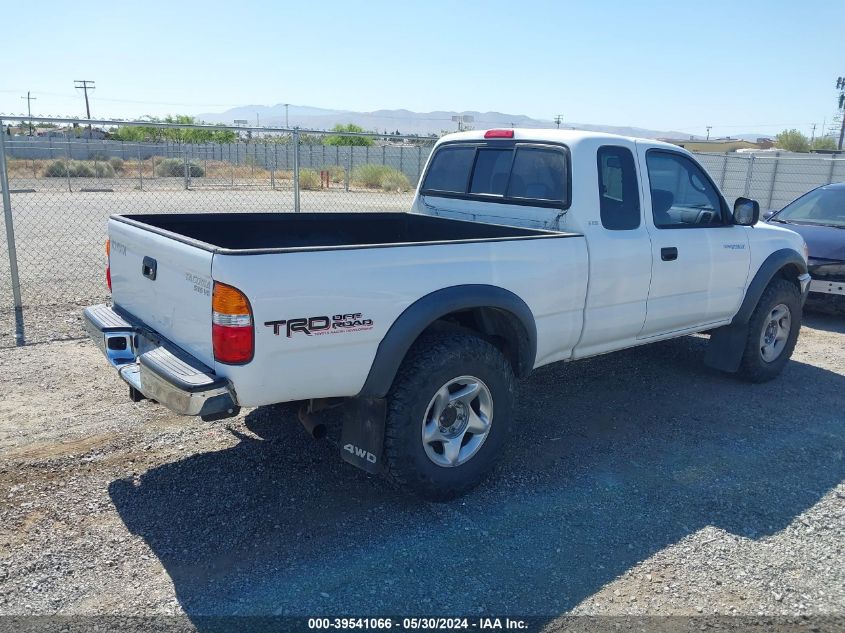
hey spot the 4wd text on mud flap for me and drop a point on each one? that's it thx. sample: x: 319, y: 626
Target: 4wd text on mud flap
x: 350, y: 322
x: 360, y: 452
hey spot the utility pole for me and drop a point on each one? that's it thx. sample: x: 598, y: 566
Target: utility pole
x: 85, y: 85
x: 558, y: 120
x: 840, y: 86
x: 29, y: 101
x: 813, y: 135
x: 287, y: 125
x: 708, y: 131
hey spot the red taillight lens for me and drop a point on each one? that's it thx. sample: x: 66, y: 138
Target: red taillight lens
x: 232, y: 332
x: 498, y: 134
x: 108, y: 263
x: 232, y: 345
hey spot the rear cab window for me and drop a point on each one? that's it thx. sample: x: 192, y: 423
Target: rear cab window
x: 508, y: 172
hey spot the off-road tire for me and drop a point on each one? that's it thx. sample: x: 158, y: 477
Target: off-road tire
x: 433, y: 361
x: 753, y: 367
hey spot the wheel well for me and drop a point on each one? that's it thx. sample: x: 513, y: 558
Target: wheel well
x: 789, y: 272
x: 499, y: 327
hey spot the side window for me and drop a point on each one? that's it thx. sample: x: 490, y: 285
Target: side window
x: 681, y: 194
x: 449, y: 170
x: 619, y: 196
x: 539, y: 174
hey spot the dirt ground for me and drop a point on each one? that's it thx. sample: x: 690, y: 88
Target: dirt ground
x: 636, y: 483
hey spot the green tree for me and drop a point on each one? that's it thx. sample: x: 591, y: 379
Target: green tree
x: 149, y: 133
x: 348, y: 140
x: 792, y: 141
x: 824, y: 142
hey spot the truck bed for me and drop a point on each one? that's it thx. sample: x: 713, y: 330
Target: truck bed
x: 275, y: 232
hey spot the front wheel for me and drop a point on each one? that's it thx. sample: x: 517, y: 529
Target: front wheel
x: 448, y: 415
x: 772, y: 332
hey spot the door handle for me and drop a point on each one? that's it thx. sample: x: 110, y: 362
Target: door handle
x: 149, y: 268
x: 669, y: 253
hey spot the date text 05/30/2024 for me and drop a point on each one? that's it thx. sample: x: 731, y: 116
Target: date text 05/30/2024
x: 418, y: 624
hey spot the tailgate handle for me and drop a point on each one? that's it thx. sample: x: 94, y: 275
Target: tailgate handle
x: 148, y: 268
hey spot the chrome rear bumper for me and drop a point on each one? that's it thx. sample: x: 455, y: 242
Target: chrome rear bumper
x: 157, y: 370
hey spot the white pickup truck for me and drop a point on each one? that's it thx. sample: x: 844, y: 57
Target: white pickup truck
x: 523, y: 247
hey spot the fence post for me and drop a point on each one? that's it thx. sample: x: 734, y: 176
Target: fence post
x: 140, y: 170
x: 749, y: 172
x: 296, y: 170
x: 10, y: 240
x: 185, y: 158
x: 273, y: 171
x: 724, y: 171
x: 774, y: 179
x: 832, y: 169
x: 419, y: 164
x: 67, y: 166
x: 348, y: 174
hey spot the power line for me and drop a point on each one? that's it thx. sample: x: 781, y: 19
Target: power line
x: 558, y: 120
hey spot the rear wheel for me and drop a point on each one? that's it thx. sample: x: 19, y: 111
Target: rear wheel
x: 448, y: 415
x: 772, y: 332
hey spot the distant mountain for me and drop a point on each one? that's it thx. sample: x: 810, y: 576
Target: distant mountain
x: 406, y: 121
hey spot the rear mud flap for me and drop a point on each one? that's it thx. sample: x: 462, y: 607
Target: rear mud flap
x: 362, y: 436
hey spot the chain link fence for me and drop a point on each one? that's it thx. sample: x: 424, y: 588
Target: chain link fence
x: 60, y: 192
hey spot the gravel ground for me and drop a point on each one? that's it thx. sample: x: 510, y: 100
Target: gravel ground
x: 636, y: 483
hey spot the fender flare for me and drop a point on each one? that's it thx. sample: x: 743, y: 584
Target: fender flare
x: 727, y: 343
x: 428, y: 309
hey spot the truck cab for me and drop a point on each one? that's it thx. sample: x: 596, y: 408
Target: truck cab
x: 667, y: 255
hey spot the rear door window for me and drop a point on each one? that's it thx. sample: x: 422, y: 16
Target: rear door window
x: 619, y: 195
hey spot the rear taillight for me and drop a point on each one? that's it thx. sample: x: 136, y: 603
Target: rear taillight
x: 232, y: 332
x: 108, y: 263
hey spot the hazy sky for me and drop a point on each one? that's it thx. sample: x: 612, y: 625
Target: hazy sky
x: 740, y: 66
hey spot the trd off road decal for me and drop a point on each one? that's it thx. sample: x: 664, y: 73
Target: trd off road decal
x: 318, y: 325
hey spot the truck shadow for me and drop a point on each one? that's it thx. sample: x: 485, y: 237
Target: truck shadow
x: 612, y: 460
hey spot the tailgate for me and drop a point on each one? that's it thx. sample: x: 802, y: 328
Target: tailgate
x: 164, y: 283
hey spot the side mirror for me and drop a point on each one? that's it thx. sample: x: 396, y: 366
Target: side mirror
x: 768, y: 214
x: 746, y: 212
